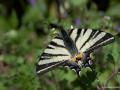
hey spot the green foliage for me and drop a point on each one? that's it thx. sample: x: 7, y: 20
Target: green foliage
x: 20, y: 48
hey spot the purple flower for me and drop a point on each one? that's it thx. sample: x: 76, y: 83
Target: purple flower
x: 32, y: 2
x: 77, y: 21
x: 117, y: 28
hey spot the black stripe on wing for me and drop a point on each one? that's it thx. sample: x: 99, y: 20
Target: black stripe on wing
x: 70, y: 32
x: 97, y: 32
x: 88, y: 38
x: 50, y: 55
x: 44, y: 58
x: 49, y: 47
x: 55, y: 44
x: 41, y: 69
x: 84, y: 31
x: 78, y: 34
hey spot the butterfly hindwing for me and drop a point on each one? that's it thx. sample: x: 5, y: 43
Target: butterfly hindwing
x: 73, y: 66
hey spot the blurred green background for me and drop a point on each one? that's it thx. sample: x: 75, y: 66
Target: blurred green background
x: 24, y: 34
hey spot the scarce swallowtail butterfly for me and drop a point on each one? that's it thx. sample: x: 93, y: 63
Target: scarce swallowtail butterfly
x: 72, y: 49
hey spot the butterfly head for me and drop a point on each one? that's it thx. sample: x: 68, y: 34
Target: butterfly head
x: 78, y: 57
x: 83, y: 59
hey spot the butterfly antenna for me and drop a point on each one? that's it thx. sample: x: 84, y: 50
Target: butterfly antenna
x: 56, y: 26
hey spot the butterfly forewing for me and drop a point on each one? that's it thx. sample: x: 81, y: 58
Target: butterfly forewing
x: 54, y: 55
x: 87, y: 39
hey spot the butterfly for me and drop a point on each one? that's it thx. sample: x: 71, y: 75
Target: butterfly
x: 72, y: 49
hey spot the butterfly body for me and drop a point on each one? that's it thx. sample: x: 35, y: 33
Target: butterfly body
x: 72, y: 49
